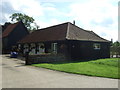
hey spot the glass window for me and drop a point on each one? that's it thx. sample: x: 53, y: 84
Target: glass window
x: 96, y: 46
x: 40, y: 48
x: 32, y: 46
x: 19, y: 46
x: 26, y: 46
x: 54, y: 48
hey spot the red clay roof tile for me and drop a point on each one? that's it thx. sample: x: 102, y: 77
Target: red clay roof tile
x: 9, y: 29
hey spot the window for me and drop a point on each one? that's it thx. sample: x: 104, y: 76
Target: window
x: 96, y: 46
x: 40, y: 48
x: 26, y: 48
x: 54, y: 48
x: 19, y: 46
x: 32, y: 49
x: 32, y: 46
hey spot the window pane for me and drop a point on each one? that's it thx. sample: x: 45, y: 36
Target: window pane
x: 54, y: 48
x: 96, y: 46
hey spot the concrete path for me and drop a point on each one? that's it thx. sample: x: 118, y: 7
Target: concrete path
x: 16, y: 75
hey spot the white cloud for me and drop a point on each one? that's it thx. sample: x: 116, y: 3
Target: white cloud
x: 102, y: 13
x: 97, y: 15
x: 51, y: 22
x: 30, y: 7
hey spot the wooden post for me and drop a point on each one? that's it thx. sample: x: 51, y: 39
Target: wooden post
x: 27, y: 61
x: 36, y: 45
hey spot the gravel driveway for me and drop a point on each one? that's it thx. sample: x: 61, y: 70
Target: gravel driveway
x: 16, y: 75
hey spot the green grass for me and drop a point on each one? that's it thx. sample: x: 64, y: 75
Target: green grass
x: 101, y: 67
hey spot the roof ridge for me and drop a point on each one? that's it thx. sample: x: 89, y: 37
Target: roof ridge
x: 67, y: 34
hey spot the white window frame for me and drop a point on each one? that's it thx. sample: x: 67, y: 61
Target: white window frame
x: 19, y: 46
x: 26, y: 48
x: 54, y: 48
x: 97, y: 46
x: 40, y: 50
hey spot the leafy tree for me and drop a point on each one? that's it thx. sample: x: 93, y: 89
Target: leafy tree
x: 115, y: 49
x: 27, y: 20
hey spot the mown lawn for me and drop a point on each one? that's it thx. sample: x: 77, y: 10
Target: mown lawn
x: 101, y: 67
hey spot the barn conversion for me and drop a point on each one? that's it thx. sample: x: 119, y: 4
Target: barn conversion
x: 11, y: 34
x: 68, y: 40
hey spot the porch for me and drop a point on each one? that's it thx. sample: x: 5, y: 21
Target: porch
x: 45, y: 52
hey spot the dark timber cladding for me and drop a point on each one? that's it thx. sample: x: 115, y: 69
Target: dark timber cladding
x: 72, y: 41
x: 12, y: 34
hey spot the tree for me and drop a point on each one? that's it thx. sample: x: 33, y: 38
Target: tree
x: 115, y: 49
x: 27, y: 20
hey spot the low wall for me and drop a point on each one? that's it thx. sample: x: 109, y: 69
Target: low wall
x: 32, y: 59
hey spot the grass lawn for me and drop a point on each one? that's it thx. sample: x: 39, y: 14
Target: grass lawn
x: 101, y: 67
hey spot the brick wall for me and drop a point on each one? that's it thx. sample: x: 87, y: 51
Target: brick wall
x: 46, y: 58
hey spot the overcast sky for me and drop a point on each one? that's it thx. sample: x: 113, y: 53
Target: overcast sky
x: 100, y: 16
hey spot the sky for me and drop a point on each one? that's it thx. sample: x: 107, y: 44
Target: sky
x: 100, y: 16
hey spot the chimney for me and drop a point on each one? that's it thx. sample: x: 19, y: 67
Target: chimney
x: 74, y: 22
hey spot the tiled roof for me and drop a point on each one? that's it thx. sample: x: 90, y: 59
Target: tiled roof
x: 65, y: 31
x: 76, y: 33
x: 53, y: 33
x: 9, y: 29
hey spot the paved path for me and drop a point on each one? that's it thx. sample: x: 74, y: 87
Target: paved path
x: 17, y: 75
